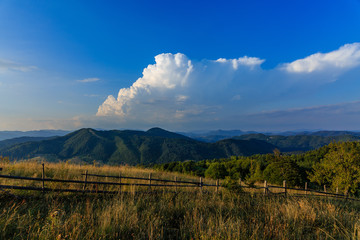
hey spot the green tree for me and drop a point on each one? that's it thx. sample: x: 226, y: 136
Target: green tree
x: 340, y: 167
x: 283, y: 168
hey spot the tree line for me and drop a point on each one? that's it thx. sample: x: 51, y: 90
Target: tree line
x: 336, y: 165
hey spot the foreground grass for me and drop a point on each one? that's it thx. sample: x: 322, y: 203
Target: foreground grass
x: 168, y: 215
x: 176, y: 216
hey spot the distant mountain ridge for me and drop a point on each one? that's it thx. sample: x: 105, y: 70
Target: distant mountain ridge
x: 39, y: 133
x: 14, y: 141
x: 133, y: 147
x: 214, y: 136
x: 301, y: 142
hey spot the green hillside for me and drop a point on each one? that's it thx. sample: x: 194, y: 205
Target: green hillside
x: 300, y: 142
x: 14, y: 141
x: 133, y: 147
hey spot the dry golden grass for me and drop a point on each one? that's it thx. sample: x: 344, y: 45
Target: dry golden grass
x: 167, y: 215
x: 64, y: 170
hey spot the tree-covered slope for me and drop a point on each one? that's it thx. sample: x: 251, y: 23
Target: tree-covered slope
x: 14, y: 141
x: 300, y: 142
x: 133, y: 147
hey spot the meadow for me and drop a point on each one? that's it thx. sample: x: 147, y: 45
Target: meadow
x: 185, y: 214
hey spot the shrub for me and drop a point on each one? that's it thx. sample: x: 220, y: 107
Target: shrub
x: 216, y: 171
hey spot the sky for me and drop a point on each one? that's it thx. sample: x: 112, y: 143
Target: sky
x: 180, y: 65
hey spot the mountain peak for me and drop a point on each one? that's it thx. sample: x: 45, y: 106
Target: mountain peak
x: 159, y: 132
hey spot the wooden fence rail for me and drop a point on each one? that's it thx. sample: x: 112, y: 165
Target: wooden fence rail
x: 175, y: 184
x: 91, y: 182
x: 147, y: 179
x: 85, y: 183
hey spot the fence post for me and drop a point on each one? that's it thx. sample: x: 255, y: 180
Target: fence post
x: 201, y: 184
x: 176, y: 184
x: 150, y: 181
x: 337, y: 190
x: 284, y: 186
x: 43, y: 177
x: 217, y: 185
x: 306, y: 187
x: 265, y: 187
x: 120, y: 183
x: 86, y: 174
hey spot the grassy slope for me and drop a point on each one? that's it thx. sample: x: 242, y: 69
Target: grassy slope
x: 185, y: 215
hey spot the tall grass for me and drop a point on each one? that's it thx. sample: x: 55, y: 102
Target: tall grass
x: 169, y: 215
x: 65, y: 170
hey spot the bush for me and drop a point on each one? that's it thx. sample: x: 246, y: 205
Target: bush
x: 282, y: 169
x: 216, y: 171
x: 232, y: 185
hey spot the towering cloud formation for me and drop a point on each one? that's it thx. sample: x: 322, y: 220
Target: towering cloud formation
x: 163, y: 81
x: 176, y: 90
x: 175, y: 87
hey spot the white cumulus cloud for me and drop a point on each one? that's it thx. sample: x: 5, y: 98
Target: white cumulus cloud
x: 160, y: 81
x: 246, y: 61
x: 347, y: 56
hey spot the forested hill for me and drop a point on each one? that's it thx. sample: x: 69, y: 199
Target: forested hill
x: 36, y: 134
x: 302, y: 142
x: 133, y: 147
x: 14, y: 141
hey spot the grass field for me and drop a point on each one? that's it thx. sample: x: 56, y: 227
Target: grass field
x: 187, y: 214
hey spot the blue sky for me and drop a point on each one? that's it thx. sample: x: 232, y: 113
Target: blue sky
x: 180, y: 65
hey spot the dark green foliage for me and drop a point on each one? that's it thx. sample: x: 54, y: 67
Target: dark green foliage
x: 216, y: 171
x: 336, y: 165
x: 283, y: 168
x: 187, y: 167
x: 340, y: 167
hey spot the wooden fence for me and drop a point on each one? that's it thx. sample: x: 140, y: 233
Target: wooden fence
x: 84, y: 184
x: 151, y: 183
x: 285, y: 190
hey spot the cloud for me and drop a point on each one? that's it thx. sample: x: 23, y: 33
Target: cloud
x: 346, y: 57
x: 6, y: 65
x: 160, y: 81
x: 87, y: 80
x: 340, y: 116
x: 252, y: 62
x: 178, y: 92
x: 176, y: 88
